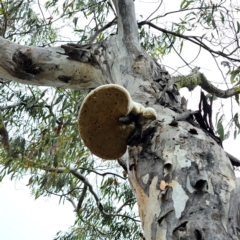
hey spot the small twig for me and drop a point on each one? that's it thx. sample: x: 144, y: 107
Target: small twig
x: 99, y: 204
x: 12, y: 106
x: 210, y: 114
x: 103, y: 174
x: 4, y: 134
x: 183, y: 10
x: 155, y: 10
x: 179, y: 55
x: 94, y: 228
x: 79, y: 206
x: 24, y: 104
x: 64, y: 194
x: 5, y: 19
x: 73, y: 203
x: 42, y: 12
x: 192, y: 39
x: 125, y: 204
x: 110, y: 5
x: 93, y: 37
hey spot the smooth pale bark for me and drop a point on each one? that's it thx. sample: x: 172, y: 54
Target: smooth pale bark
x: 47, y: 67
x: 184, y: 183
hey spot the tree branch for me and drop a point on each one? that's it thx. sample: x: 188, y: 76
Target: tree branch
x: 99, y: 205
x: 4, y: 134
x: 89, y: 186
x: 48, y: 67
x: 196, y: 78
x: 125, y: 204
x: 183, y: 10
x: 84, y: 191
x: 93, y: 37
x: 207, y: 86
x: 193, y: 39
x: 25, y: 104
x: 103, y: 174
x: 64, y: 194
x: 127, y: 23
x: 73, y: 203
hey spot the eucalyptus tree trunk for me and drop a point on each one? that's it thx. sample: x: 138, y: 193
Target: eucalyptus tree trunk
x: 183, y: 180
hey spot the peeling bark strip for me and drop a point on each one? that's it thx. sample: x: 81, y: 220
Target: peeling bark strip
x: 185, y: 185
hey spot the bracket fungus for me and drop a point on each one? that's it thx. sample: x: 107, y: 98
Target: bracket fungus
x: 98, y: 120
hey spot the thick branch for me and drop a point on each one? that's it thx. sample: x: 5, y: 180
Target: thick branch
x: 207, y: 86
x: 196, y: 78
x: 47, y: 67
x: 127, y: 23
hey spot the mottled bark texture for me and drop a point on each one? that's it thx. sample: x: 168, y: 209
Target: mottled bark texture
x: 183, y: 180
x: 184, y: 183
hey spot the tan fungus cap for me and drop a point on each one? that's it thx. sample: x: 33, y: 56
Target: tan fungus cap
x: 98, y: 121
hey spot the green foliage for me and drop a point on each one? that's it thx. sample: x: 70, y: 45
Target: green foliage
x: 22, y: 24
x: 42, y: 124
x: 232, y: 126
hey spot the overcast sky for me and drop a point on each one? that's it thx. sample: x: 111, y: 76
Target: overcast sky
x: 23, y: 218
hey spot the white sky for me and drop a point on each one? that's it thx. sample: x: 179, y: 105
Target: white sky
x: 23, y: 218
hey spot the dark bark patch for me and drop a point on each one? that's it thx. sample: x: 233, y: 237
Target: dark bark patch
x: 209, y: 157
x: 168, y: 166
x: 173, y: 123
x: 23, y: 60
x: 78, y: 52
x: 162, y: 217
x: 193, y: 131
x: 132, y: 166
x: 141, y: 132
x: 24, y: 64
x: 172, y: 96
x: 198, y: 234
x: 182, y: 227
x: 198, y: 177
x: 201, y: 184
x: 63, y: 78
